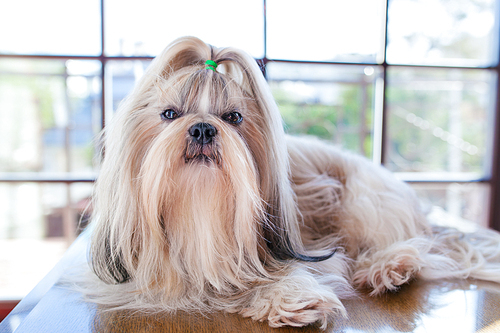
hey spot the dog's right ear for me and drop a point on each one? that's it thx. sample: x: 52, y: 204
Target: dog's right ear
x: 122, y: 239
x: 183, y: 52
x: 107, y: 261
x: 115, y: 225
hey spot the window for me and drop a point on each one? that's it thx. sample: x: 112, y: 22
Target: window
x: 411, y: 84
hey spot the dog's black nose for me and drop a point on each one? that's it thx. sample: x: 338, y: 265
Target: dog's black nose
x: 202, y: 133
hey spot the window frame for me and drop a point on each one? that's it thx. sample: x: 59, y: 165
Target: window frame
x: 380, y: 130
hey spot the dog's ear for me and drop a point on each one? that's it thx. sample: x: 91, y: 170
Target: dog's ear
x: 121, y: 236
x: 107, y: 261
x: 183, y: 52
x: 281, y: 228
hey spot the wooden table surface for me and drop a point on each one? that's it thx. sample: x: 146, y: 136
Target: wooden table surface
x: 447, y: 306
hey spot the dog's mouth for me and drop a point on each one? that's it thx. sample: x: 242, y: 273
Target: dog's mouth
x: 204, y: 154
x: 202, y: 159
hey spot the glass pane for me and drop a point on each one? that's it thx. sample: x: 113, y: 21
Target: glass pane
x: 325, y: 30
x: 442, y: 32
x: 328, y: 101
x: 157, y: 23
x: 36, y: 238
x: 121, y: 77
x: 439, y: 120
x: 50, y: 112
x: 459, y: 205
x: 50, y: 27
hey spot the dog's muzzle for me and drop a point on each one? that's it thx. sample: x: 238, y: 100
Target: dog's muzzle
x: 203, y: 133
x: 201, y: 147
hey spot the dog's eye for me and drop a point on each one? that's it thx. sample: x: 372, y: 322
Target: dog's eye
x: 169, y: 114
x: 233, y: 117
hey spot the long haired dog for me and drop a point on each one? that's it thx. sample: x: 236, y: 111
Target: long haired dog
x: 203, y: 203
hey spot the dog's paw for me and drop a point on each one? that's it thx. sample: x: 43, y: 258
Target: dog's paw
x: 294, y: 301
x: 287, y: 312
x: 387, y: 270
x: 302, y: 313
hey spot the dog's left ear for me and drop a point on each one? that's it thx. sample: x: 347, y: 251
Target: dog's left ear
x: 281, y: 228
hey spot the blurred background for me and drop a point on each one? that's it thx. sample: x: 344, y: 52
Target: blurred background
x: 411, y: 84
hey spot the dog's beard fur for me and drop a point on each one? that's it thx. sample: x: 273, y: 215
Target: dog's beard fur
x: 184, y: 224
x: 196, y: 200
x: 201, y: 218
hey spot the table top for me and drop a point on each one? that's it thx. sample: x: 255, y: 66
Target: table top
x: 445, y: 306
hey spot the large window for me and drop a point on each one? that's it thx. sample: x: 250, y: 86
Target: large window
x: 411, y: 84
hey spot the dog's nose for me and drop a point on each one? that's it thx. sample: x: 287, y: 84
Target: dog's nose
x: 202, y: 133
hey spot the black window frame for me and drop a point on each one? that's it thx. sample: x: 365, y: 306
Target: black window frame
x: 492, y: 179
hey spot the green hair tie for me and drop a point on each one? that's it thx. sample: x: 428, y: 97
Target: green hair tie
x: 212, y: 65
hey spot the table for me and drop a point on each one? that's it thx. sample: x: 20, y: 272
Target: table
x: 445, y: 306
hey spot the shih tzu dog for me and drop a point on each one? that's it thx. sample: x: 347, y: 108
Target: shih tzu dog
x: 203, y: 203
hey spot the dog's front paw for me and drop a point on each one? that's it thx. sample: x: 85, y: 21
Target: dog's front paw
x: 303, y: 313
x: 288, y: 312
x: 387, y: 270
x: 298, y: 301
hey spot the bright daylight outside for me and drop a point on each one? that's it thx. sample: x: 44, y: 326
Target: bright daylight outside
x: 331, y: 70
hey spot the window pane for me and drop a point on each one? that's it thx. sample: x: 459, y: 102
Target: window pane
x: 460, y: 205
x: 331, y: 102
x: 439, y: 120
x: 147, y: 27
x: 50, y: 113
x: 442, y: 32
x: 36, y: 238
x: 325, y: 30
x: 50, y: 27
x: 121, y: 77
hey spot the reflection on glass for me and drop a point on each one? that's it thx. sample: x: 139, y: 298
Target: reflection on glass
x: 452, y: 310
x: 459, y: 205
x: 50, y: 113
x: 439, y: 120
x: 325, y: 30
x: 442, y: 32
x: 334, y: 103
x: 157, y: 23
x: 50, y: 27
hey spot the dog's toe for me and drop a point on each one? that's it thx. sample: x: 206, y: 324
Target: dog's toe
x: 388, y: 271
x: 303, y: 313
x: 287, y: 304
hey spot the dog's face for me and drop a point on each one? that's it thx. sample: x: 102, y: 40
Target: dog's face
x: 194, y: 188
x: 200, y: 172
x: 199, y: 122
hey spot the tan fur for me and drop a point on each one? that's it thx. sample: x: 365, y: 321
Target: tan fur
x: 245, y: 223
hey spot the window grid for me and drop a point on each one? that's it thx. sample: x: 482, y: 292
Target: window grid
x: 380, y: 123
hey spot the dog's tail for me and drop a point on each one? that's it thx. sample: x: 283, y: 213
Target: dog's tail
x: 456, y: 254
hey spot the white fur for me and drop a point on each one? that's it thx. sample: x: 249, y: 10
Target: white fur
x: 240, y: 224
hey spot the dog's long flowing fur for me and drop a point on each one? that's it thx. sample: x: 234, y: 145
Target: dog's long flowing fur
x: 203, y: 203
